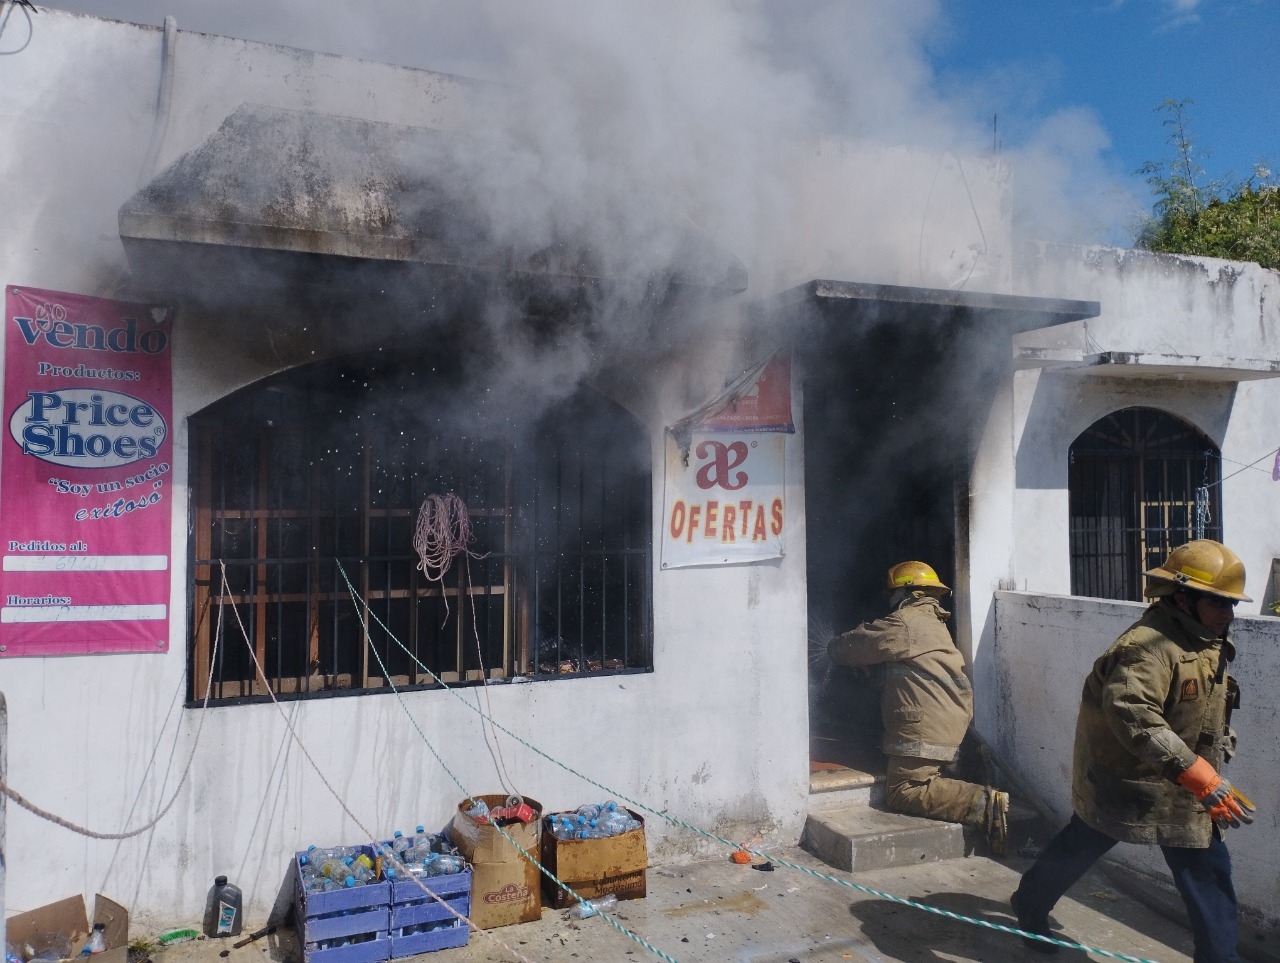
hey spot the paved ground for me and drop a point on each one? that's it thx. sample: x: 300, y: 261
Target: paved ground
x: 717, y: 910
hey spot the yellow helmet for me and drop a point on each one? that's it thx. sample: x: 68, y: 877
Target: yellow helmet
x: 1205, y: 566
x: 914, y: 575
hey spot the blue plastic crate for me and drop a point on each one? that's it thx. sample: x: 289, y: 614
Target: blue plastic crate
x: 420, y: 924
x: 346, y: 925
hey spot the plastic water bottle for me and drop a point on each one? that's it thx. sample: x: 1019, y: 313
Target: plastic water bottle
x: 586, y: 907
x: 362, y: 867
x: 97, y: 941
x: 335, y: 868
x: 447, y: 865
x: 361, y: 873
x: 223, y: 909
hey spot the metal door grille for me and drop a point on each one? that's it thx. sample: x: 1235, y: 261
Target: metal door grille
x: 1133, y: 481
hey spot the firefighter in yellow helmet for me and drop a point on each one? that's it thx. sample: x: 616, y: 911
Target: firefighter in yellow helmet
x: 926, y: 704
x: 1152, y: 734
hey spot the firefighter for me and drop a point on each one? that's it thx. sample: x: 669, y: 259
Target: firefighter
x: 926, y: 703
x: 1152, y: 733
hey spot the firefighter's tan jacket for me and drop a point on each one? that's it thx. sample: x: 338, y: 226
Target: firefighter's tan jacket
x: 1153, y: 702
x: 927, y: 701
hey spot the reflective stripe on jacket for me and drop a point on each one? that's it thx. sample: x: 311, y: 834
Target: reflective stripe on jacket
x: 927, y: 701
x: 1151, y: 704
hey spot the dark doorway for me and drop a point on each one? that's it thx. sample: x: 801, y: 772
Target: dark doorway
x: 898, y: 385
x: 880, y: 477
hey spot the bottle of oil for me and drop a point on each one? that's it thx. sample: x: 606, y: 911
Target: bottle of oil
x: 223, y: 910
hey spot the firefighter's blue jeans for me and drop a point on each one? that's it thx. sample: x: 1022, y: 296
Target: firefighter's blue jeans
x: 1203, y: 878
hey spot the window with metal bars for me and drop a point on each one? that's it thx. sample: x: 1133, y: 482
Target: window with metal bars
x: 1141, y: 483
x: 306, y: 495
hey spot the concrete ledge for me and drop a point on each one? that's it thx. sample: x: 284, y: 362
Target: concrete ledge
x: 834, y: 780
x: 858, y: 839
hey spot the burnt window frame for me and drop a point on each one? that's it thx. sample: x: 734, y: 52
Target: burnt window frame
x: 517, y: 590
x: 1143, y: 465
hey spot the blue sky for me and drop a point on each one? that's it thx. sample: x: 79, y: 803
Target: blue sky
x: 1121, y: 60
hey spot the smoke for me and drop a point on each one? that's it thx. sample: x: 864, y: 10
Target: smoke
x: 791, y: 135
x: 708, y: 105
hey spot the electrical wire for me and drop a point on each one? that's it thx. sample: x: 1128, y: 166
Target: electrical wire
x: 129, y: 834
x: 4, y: 22
x: 361, y: 611
x: 442, y: 533
x: 682, y: 824
x: 342, y: 803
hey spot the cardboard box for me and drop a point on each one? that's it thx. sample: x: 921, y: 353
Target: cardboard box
x: 67, y: 917
x: 504, y: 884
x: 596, y: 867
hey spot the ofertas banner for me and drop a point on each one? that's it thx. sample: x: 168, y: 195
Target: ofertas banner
x: 723, y: 494
x: 84, y: 475
x: 724, y: 501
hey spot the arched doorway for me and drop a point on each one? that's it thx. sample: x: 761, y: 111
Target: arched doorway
x: 1141, y: 482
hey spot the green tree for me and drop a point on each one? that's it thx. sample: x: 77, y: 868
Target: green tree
x: 1239, y: 221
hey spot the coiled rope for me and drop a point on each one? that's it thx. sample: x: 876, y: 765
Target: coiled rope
x: 443, y: 532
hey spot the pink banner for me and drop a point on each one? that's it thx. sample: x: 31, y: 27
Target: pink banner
x: 85, y: 510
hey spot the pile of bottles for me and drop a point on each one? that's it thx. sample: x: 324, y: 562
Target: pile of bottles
x: 593, y: 821
x: 423, y: 854
x: 324, y: 870
x: 419, y: 854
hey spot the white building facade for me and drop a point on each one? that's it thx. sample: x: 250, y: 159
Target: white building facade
x: 152, y: 163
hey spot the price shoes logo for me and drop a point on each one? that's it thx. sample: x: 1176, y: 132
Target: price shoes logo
x: 87, y: 428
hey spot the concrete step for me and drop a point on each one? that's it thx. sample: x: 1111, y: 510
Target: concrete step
x: 861, y: 838
x: 837, y: 788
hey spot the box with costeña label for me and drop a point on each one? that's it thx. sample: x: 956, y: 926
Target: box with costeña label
x: 595, y: 867
x: 504, y: 881
x: 348, y: 925
x: 427, y: 913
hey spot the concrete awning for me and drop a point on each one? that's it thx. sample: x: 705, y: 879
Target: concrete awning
x: 851, y: 302
x: 292, y: 184
x: 1154, y: 365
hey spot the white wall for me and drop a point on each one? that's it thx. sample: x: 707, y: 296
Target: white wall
x: 104, y: 740
x: 1045, y: 646
x: 1202, y: 310
x: 717, y: 733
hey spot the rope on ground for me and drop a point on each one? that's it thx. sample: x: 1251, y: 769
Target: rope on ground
x: 128, y: 834
x: 360, y: 610
x: 226, y: 591
x: 680, y: 823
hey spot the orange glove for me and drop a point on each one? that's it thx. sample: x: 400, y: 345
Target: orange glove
x: 1225, y: 804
